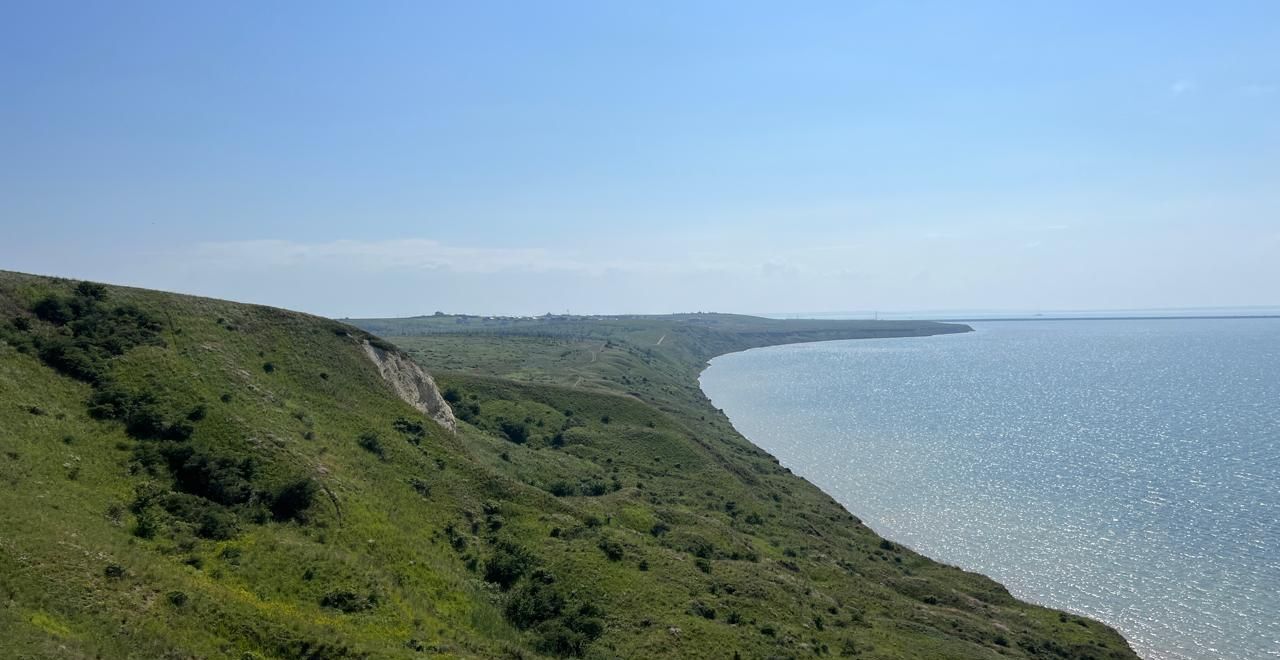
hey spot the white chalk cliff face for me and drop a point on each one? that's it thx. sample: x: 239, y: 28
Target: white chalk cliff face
x: 412, y: 384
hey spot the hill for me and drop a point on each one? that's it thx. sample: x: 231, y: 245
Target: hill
x: 185, y: 477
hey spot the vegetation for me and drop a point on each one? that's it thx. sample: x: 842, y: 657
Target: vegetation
x: 168, y: 495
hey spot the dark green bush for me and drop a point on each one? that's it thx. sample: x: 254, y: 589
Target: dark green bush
x: 561, y: 488
x: 91, y: 290
x: 536, y: 600
x: 53, y: 309
x: 571, y: 633
x: 347, y: 601
x: 370, y: 442
x: 208, y: 519
x: 423, y: 488
x: 594, y: 488
x: 612, y: 549
x: 414, y: 431
x: 698, y: 608
x: 97, y: 333
x: 507, y: 564
x: 223, y: 479
x: 294, y: 499
x: 514, y: 431
x: 467, y: 412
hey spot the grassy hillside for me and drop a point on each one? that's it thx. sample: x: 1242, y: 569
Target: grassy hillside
x: 184, y: 477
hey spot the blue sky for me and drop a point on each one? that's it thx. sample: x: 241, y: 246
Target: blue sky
x: 382, y: 158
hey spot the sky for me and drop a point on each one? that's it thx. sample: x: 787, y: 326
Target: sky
x: 380, y: 159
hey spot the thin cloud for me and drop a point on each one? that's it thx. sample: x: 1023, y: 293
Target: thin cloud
x: 419, y: 254
x: 1183, y: 86
x: 411, y: 254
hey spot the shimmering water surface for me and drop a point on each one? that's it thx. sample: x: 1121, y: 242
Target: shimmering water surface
x: 1128, y: 470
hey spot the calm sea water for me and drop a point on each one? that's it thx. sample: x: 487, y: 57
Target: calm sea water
x: 1127, y: 470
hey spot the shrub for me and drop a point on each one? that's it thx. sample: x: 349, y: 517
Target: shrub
x: 292, y: 502
x: 570, y: 634
x: 91, y: 290
x: 561, y: 488
x: 147, y: 525
x: 114, y: 571
x: 347, y: 601
x: 514, y: 431
x: 698, y: 608
x: 370, y: 442
x: 451, y: 395
x: 96, y: 332
x: 507, y: 564
x: 222, y: 479
x: 177, y: 598
x: 534, y: 602
x: 612, y: 549
x: 70, y: 358
x: 595, y: 488
x: 423, y: 488
x: 143, y: 416
x: 209, y: 520
x: 53, y: 309
x: 413, y: 430
x: 231, y: 555
x: 269, y: 367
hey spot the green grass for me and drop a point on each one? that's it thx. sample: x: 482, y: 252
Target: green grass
x: 632, y: 521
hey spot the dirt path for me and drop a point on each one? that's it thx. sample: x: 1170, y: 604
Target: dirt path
x: 664, y: 336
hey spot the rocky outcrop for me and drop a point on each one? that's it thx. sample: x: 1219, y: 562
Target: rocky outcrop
x: 412, y: 384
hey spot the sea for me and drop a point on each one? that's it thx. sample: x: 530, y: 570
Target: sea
x: 1128, y: 470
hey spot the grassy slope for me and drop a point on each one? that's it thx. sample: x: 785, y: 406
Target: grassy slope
x: 412, y: 533
x: 823, y: 582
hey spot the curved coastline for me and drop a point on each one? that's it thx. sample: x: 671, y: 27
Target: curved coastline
x: 877, y: 529
x: 914, y: 606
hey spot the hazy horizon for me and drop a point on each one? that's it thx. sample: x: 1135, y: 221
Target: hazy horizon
x: 739, y: 157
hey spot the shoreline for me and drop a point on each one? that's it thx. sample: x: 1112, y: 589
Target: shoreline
x: 869, y: 524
